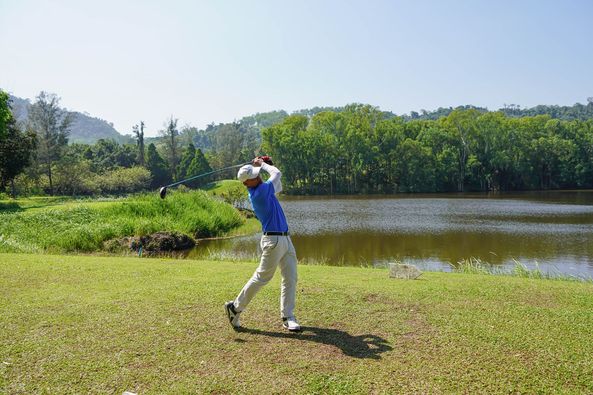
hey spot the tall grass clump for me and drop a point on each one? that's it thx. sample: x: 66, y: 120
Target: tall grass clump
x: 473, y: 266
x: 85, y: 226
x: 477, y: 266
x: 194, y: 213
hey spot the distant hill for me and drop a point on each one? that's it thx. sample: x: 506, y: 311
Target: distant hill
x: 577, y: 111
x: 87, y: 129
x: 84, y: 129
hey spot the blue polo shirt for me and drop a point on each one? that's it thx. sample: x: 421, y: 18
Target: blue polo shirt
x: 267, y: 208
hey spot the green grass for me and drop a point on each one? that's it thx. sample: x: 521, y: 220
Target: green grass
x: 83, y: 226
x: 478, y: 266
x: 223, y: 186
x: 88, y: 324
x: 29, y: 203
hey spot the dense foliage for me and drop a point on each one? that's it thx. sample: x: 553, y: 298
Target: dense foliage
x: 363, y: 150
x: 577, y: 111
x: 323, y: 150
x: 16, y: 147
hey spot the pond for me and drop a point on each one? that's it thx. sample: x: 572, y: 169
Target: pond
x: 553, y: 230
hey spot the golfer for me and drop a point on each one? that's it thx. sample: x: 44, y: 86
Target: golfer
x: 277, y: 248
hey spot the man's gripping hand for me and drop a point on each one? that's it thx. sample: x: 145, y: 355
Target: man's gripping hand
x: 257, y: 162
x: 267, y: 160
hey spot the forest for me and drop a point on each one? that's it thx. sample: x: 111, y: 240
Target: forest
x: 355, y: 149
x: 363, y: 150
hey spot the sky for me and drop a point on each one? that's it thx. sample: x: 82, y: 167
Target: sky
x: 217, y: 61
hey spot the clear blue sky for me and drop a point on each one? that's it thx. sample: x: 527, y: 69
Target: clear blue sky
x: 216, y: 61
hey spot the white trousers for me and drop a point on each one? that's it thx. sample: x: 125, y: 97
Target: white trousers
x: 275, y: 250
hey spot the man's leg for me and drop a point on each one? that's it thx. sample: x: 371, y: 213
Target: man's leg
x: 288, y: 268
x: 272, y: 251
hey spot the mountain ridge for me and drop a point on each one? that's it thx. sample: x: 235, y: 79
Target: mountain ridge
x: 85, y: 128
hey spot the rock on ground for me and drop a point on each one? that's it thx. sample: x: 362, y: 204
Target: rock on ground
x: 404, y: 271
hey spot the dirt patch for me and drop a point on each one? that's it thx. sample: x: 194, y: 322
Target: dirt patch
x: 540, y: 299
x: 376, y: 298
x: 155, y: 243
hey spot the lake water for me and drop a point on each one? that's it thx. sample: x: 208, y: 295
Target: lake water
x: 553, y: 230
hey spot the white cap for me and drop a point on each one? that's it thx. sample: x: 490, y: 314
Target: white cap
x: 248, y: 172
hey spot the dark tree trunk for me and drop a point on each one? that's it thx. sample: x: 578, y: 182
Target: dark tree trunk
x: 51, y: 185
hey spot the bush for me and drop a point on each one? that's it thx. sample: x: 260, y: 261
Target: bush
x: 75, y: 178
x: 124, y: 180
x: 28, y: 185
x: 235, y: 195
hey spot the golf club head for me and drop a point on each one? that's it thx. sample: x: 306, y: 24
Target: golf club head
x: 163, y: 192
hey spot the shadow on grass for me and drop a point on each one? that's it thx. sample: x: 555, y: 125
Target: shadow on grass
x: 10, y: 207
x: 362, y: 346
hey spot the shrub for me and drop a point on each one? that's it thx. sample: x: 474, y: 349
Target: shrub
x: 124, y: 180
x: 75, y: 178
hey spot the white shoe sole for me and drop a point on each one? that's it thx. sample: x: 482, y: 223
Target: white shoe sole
x: 291, y: 330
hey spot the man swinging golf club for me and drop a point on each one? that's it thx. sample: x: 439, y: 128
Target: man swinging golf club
x: 277, y: 248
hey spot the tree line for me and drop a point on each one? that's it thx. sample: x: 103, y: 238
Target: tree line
x: 324, y: 150
x: 36, y: 159
x: 364, y: 150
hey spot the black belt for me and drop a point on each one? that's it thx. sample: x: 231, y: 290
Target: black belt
x: 275, y: 233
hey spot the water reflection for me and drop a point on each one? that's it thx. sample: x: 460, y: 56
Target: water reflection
x: 553, y: 228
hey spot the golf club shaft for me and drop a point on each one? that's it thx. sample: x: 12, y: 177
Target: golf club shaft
x: 205, y: 174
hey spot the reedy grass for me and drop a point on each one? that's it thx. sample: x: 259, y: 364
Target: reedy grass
x: 474, y: 265
x: 229, y: 256
x: 84, y: 226
x: 470, y: 265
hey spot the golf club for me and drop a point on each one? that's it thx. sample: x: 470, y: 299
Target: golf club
x: 163, y: 190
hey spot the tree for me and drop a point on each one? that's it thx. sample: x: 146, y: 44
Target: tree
x: 16, y: 147
x: 139, y: 133
x: 51, y: 126
x: 171, y: 145
x: 199, y: 165
x: 107, y: 154
x: 228, y: 145
x: 188, y: 135
x: 5, y: 113
x: 188, y: 157
x: 157, y: 167
x: 73, y: 176
x: 463, y: 125
x: 415, y: 168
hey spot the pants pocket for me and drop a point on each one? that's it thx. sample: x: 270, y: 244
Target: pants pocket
x: 269, y: 242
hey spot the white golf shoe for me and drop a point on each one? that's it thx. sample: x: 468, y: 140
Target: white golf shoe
x: 291, y: 324
x: 232, y: 314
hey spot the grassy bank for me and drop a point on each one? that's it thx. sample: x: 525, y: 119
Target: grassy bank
x: 225, y: 186
x: 104, y: 324
x: 84, y: 225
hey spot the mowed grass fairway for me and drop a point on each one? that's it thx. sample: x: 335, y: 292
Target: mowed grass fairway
x: 83, y: 324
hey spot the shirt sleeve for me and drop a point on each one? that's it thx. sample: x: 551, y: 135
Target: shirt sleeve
x: 275, y: 175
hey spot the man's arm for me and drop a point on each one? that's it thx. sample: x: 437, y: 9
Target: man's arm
x: 275, y: 175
